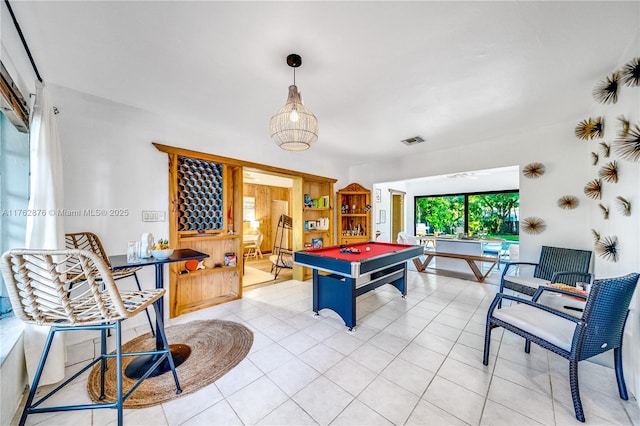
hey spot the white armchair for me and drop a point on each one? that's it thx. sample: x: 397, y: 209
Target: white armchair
x: 404, y: 238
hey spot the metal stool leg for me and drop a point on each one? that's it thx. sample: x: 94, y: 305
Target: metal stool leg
x: 167, y: 348
x: 153, y: 333
x: 36, y: 378
x: 103, y: 361
x: 119, y: 400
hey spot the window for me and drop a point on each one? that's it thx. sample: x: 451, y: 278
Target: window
x: 486, y: 214
x: 14, y: 172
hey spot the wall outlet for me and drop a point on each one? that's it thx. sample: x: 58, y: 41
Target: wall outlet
x: 154, y: 216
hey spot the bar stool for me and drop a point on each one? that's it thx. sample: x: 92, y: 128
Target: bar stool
x: 71, y: 290
x: 90, y: 241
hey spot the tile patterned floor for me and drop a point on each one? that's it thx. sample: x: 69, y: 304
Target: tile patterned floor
x: 409, y: 362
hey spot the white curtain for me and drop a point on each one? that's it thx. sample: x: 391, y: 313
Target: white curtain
x: 44, y: 231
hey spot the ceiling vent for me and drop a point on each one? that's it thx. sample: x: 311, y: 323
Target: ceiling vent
x: 412, y: 141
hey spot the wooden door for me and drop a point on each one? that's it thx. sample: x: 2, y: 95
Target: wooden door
x: 397, y: 215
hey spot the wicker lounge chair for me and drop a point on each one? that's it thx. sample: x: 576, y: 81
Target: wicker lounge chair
x: 599, y: 329
x: 556, y: 264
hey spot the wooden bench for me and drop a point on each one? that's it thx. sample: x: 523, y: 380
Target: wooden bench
x: 471, y: 260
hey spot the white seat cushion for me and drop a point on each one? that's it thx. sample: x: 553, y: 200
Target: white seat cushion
x: 526, y: 281
x: 567, y: 304
x: 547, y: 326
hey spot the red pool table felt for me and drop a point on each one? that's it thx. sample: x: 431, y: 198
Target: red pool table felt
x: 377, y: 249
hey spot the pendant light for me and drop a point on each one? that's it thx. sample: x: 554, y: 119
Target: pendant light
x: 294, y: 127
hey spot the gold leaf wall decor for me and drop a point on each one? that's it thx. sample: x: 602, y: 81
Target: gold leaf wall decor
x: 533, y: 225
x: 624, y: 126
x: 590, y: 128
x: 596, y: 235
x: 568, y: 202
x: 609, y: 172
x: 593, y: 189
x: 628, y: 147
x: 533, y: 170
x: 604, y: 210
x: 594, y: 158
x: 606, y: 149
x: 606, y: 92
x: 624, y: 206
x: 607, y: 248
x: 631, y: 73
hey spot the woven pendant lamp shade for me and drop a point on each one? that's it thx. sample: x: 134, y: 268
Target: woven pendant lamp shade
x: 295, y: 135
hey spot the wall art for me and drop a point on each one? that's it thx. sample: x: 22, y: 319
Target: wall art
x: 594, y: 158
x: 533, y: 225
x: 624, y: 125
x: 624, y: 206
x: 604, y: 210
x: 568, y: 202
x: 606, y: 92
x: 593, y: 189
x: 533, y: 170
x: 628, y: 147
x: 596, y: 235
x: 607, y: 248
x: 590, y: 128
x: 609, y: 172
x: 631, y: 73
x: 606, y: 149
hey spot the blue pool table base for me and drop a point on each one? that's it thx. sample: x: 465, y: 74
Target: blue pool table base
x: 339, y: 293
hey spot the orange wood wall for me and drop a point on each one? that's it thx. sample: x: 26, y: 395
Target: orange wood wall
x: 264, y: 195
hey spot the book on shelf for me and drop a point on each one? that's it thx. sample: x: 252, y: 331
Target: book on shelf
x: 316, y: 242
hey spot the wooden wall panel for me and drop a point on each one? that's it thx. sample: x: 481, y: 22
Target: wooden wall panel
x: 264, y: 194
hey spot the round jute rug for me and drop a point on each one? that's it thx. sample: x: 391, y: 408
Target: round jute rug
x: 216, y: 347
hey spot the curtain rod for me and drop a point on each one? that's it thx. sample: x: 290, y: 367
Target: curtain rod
x: 24, y: 42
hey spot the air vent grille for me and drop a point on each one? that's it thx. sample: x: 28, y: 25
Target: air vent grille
x: 412, y: 141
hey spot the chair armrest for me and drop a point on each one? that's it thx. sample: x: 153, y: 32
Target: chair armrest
x: 542, y: 289
x: 556, y: 275
x: 500, y: 296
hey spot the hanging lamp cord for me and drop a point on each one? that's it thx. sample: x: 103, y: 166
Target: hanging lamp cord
x: 24, y: 42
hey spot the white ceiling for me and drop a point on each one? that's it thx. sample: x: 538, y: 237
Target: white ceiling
x: 374, y: 73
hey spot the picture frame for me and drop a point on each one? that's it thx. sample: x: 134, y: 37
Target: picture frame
x: 316, y: 242
x: 383, y: 216
x: 378, y: 196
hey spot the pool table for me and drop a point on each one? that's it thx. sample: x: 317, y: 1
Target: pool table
x: 354, y: 269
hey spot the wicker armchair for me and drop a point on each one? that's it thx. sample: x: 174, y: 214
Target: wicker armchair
x: 556, y: 264
x: 90, y: 241
x: 71, y: 290
x: 599, y: 329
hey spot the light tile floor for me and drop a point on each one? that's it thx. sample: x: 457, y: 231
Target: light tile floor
x: 416, y: 362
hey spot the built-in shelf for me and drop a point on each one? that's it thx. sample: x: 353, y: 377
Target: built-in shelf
x: 354, y: 227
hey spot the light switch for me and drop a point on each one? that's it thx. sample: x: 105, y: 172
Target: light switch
x: 153, y: 216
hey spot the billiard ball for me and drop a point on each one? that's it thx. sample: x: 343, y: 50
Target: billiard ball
x: 368, y: 249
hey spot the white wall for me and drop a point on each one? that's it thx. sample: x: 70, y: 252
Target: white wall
x: 110, y: 163
x: 568, y: 168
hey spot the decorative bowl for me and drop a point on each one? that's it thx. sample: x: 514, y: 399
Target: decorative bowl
x: 162, y: 254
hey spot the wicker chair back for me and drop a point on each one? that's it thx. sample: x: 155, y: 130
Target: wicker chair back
x: 557, y: 259
x: 605, y: 314
x: 42, y: 290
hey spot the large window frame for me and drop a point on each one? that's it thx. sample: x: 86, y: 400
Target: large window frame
x: 14, y: 171
x: 465, y: 211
